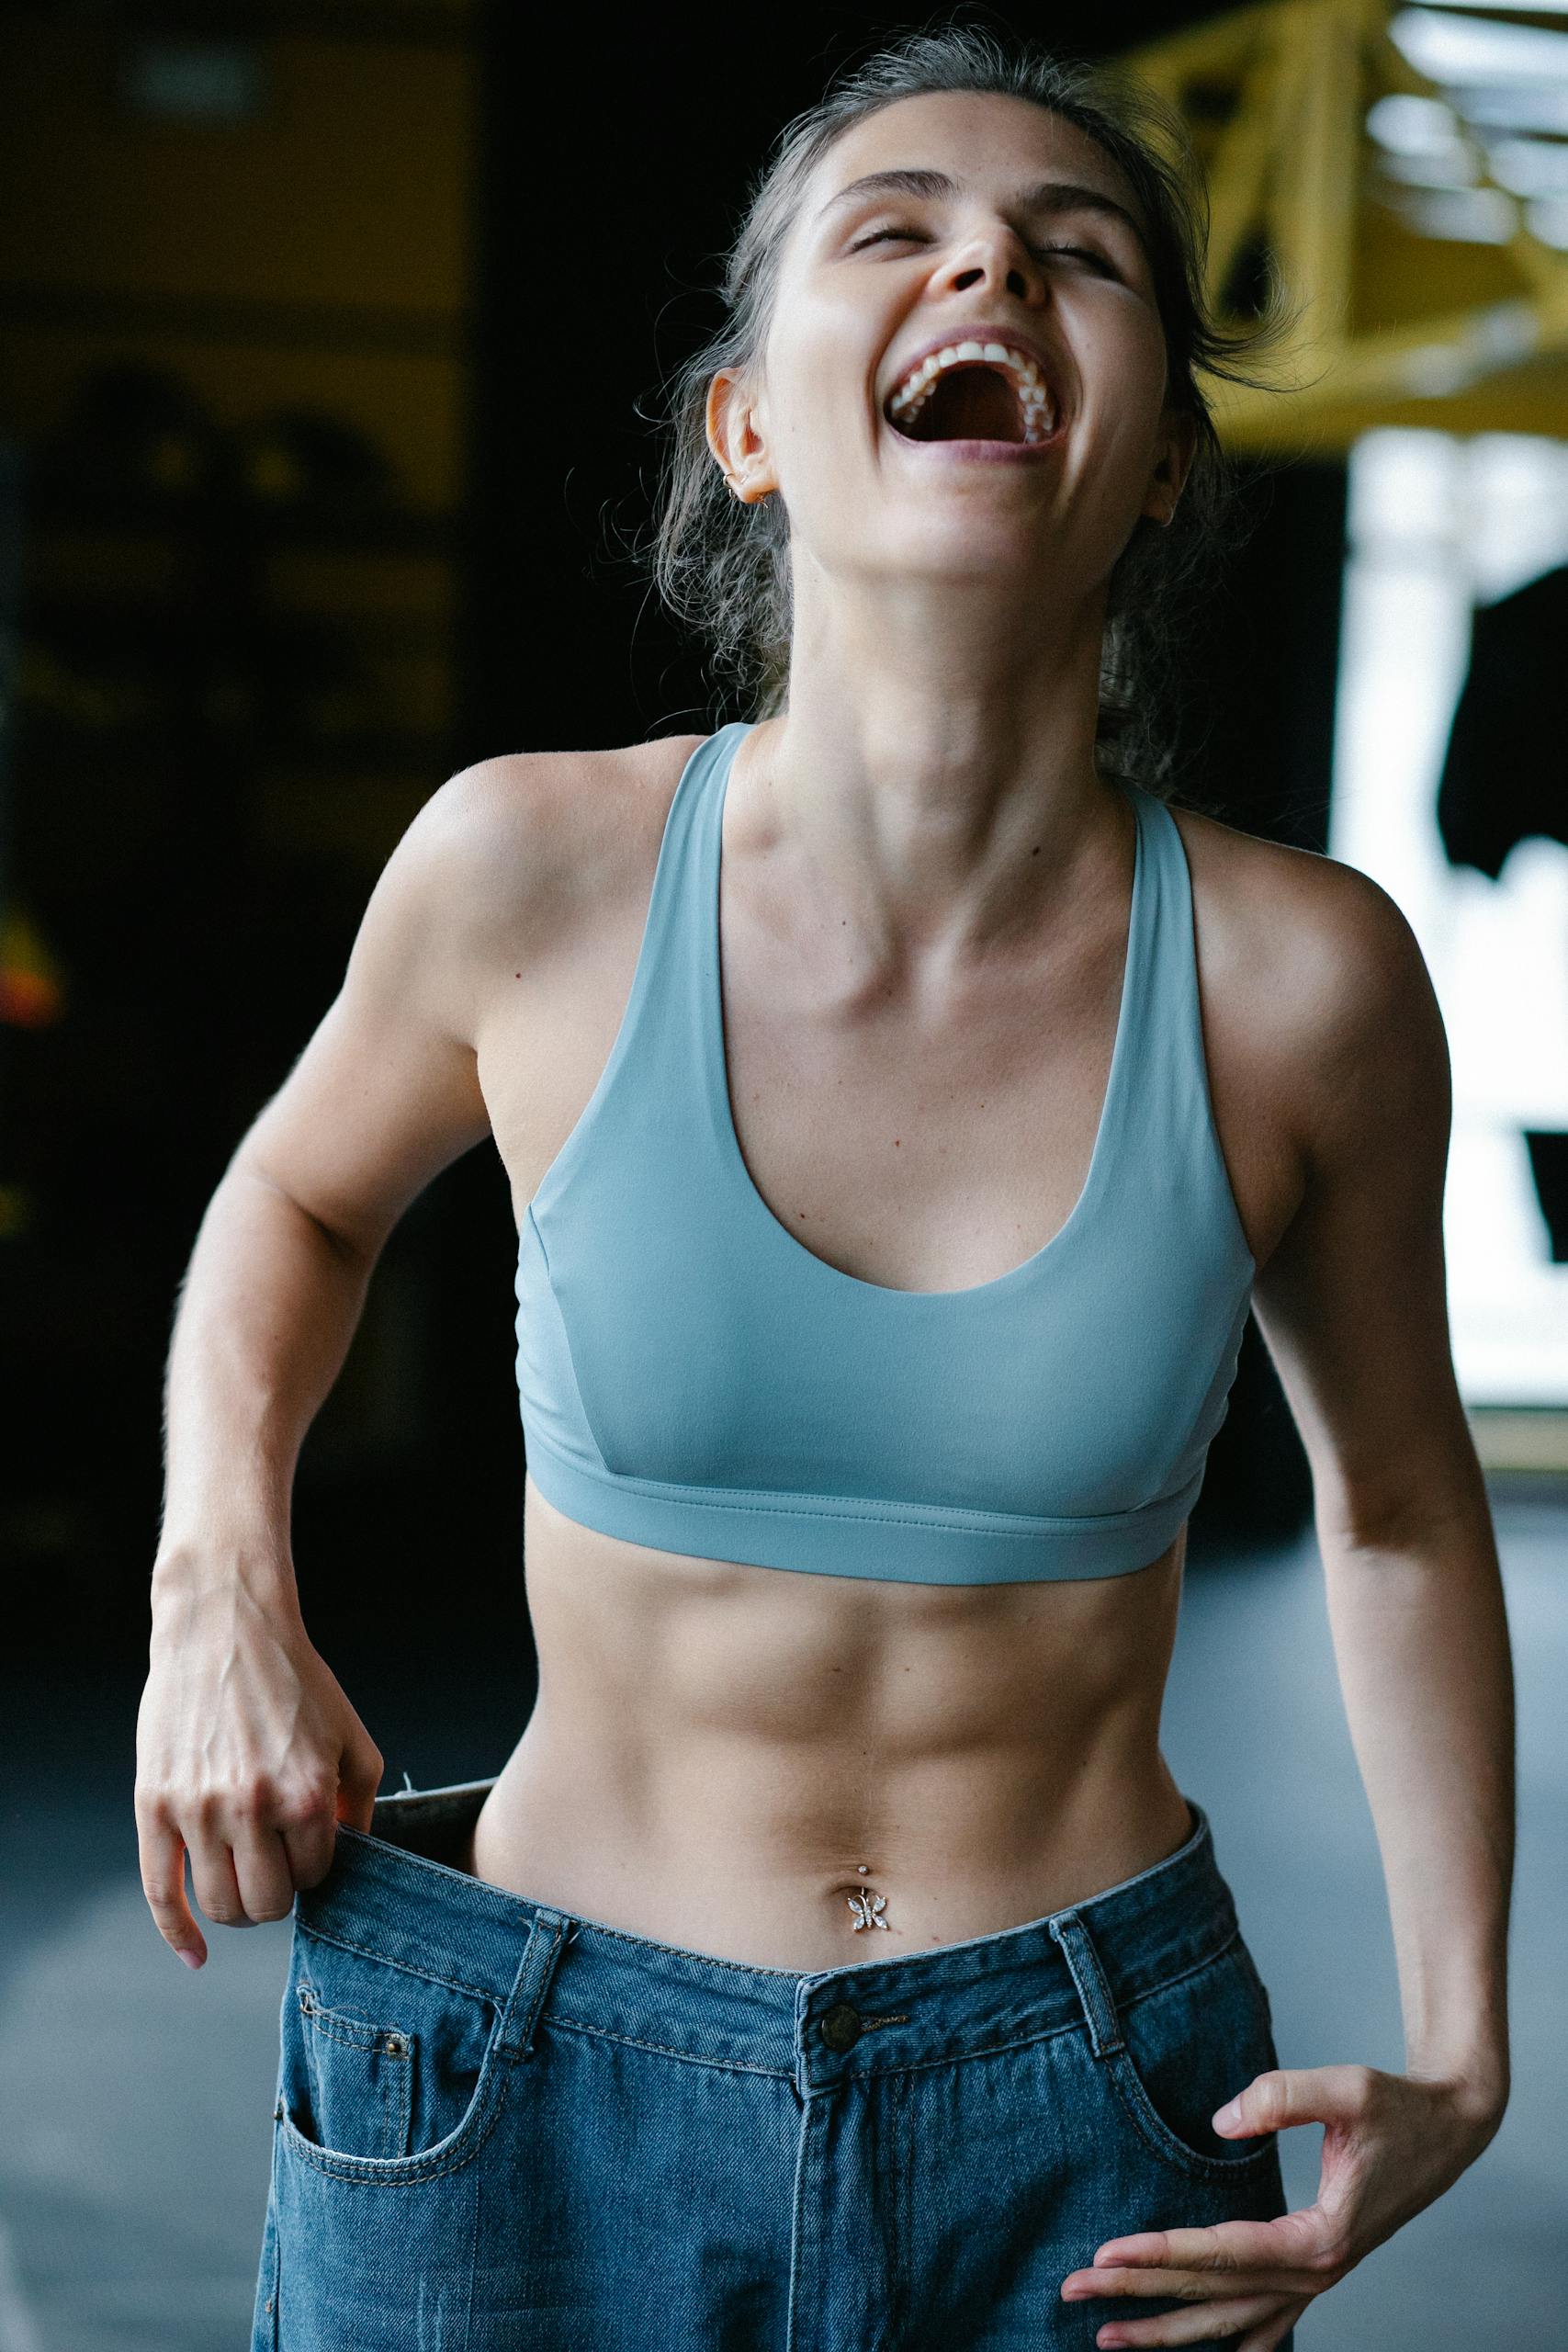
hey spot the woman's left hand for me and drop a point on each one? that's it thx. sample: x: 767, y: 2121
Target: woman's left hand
x: 1392, y: 2143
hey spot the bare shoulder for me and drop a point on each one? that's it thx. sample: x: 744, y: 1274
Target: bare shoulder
x: 498, y: 865
x: 512, y: 860
x: 525, y: 836
x: 1313, y: 972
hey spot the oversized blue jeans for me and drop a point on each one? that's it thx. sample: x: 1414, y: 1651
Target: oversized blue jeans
x: 501, y: 2128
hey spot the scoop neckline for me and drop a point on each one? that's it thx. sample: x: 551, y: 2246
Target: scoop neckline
x: 716, y: 1056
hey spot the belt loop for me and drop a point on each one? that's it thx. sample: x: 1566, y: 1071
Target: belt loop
x: 1100, y: 2009
x: 547, y: 1935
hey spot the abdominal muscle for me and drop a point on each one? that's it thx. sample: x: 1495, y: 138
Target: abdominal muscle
x: 745, y: 1761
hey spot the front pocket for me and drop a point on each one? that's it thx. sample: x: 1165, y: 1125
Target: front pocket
x: 385, y: 2073
x: 1188, y: 2047
x: 361, y: 2072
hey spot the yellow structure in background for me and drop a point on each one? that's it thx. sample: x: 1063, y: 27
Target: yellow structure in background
x: 1404, y: 171
x: 1428, y: 293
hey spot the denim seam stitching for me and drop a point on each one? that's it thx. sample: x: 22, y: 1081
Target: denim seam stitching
x: 508, y: 1912
x: 424, y: 1975
x: 1170, y: 2145
x: 342, y: 2167
x: 708, y: 1960
x: 397, y: 2090
x: 376, y: 2034
x: 1193, y: 1968
x: 664, y: 2050
x: 739, y: 2066
x: 962, y: 2057
x: 543, y: 1971
x: 740, y: 1968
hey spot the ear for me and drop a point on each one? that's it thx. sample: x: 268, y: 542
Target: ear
x: 1176, y: 447
x: 735, y: 438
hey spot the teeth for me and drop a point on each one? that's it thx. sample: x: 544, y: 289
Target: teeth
x: 1038, y: 414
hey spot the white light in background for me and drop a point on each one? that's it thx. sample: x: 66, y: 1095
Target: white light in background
x: 1548, y: 219
x: 1470, y: 216
x: 1435, y: 526
x: 1465, y: 48
x: 1408, y: 125
x: 1517, y: 106
x: 1429, y: 163
x: 1530, y: 166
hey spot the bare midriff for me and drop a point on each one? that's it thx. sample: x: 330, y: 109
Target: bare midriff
x: 801, y: 1771
x: 745, y: 1761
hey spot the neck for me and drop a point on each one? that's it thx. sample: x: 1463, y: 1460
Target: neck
x: 933, y: 776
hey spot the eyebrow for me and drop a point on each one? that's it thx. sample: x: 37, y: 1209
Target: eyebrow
x: 1050, y: 197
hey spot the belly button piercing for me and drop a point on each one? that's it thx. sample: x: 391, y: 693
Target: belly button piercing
x: 868, y: 1909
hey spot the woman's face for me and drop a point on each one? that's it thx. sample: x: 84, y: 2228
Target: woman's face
x: 1016, y: 231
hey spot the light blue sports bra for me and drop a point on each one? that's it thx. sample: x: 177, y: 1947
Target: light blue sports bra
x: 695, y: 1378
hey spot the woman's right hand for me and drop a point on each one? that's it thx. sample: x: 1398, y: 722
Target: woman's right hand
x: 248, y: 1755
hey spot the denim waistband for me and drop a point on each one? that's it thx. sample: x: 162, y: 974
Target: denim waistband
x: 1083, y: 1963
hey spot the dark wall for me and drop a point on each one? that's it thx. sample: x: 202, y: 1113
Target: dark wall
x: 1257, y: 731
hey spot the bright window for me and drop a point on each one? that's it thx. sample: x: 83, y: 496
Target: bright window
x: 1438, y: 525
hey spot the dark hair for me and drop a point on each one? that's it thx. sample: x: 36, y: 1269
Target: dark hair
x: 723, y: 568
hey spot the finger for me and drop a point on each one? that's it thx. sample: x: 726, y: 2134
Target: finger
x: 1291, y: 2241
x: 360, y: 1769
x: 310, y: 1825
x: 308, y: 1846
x: 212, y: 1880
x: 1288, y: 2095
x: 1266, y: 2338
x: 1233, y: 2316
x: 1188, y: 2286
x: 262, y: 1877
x: 163, y: 1883
x: 306, y: 1823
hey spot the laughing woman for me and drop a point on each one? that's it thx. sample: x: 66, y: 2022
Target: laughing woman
x: 903, y: 1105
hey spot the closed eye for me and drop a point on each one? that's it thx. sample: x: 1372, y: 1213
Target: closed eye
x: 913, y: 236
x: 1083, y: 253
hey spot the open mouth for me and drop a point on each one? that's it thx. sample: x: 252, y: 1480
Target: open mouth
x: 974, y: 391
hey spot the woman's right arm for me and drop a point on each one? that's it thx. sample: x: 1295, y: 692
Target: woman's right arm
x: 248, y: 1751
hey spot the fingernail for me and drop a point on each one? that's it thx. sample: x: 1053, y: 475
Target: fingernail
x: 1227, y: 2116
x: 190, y: 1959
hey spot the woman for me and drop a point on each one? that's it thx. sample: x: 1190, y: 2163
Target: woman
x: 902, y: 1108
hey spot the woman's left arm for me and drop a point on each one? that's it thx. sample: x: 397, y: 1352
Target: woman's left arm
x: 1353, y: 1306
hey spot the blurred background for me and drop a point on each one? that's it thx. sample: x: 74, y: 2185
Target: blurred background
x: 330, y: 347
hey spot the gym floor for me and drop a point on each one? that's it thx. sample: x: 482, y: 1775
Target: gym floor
x: 138, y: 2097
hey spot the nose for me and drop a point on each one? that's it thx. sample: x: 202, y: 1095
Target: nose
x: 997, y: 256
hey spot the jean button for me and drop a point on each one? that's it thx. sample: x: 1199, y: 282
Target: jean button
x: 841, y: 2027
